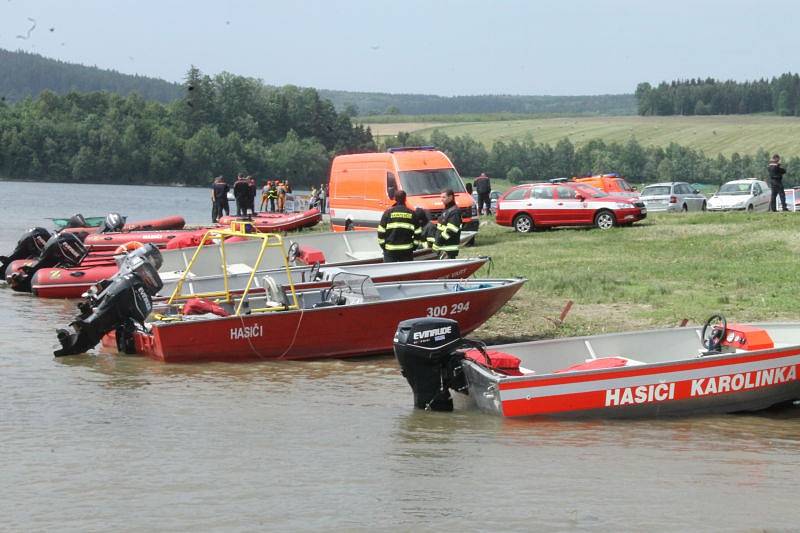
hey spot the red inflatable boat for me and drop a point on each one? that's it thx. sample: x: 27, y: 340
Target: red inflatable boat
x: 166, y: 223
x: 272, y: 222
x: 111, y: 241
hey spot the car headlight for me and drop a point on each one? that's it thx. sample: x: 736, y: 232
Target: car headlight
x: 474, y: 210
x: 624, y: 205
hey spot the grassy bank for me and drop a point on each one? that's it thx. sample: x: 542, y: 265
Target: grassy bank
x: 711, y: 134
x: 654, y: 274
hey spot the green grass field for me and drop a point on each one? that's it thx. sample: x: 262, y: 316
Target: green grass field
x: 711, y: 134
x: 653, y: 274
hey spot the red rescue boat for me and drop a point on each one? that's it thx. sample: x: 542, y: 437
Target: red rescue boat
x: 720, y: 368
x: 275, y: 222
x: 352, y: 317
x: 112, y: 241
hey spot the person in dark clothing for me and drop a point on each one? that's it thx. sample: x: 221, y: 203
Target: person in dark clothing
x: 468, y: 185
x: 428, y: 235
x: 219, y: 196
x: 241, y: 191
x: 252, y: 190
x: 484, y: 189
x: 448, y: 228
x: 399, y: 231
x: 776, y: 172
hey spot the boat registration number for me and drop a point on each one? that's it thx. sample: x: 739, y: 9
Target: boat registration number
x: 452, y: 309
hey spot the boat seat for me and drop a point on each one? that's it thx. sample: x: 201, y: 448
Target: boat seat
x: 600, y: 363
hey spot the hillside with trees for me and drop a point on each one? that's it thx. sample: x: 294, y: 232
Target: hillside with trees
x: 25, y: 74
x: 222, y: 125
x: 779, y: 95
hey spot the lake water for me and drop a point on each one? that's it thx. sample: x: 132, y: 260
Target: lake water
x: 102, y: 442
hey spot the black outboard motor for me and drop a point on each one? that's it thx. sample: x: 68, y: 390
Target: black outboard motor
x: 113, y: 223
x: 426, y: 349
x: 29, y: 245
x: 77, y: 221
x: 123, y: 303
x: 63, y: 249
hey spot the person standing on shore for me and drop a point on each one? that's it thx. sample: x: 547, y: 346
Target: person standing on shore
x: 484, y: 189
x: 252, y: 190
x: 448, y: 227
x: 264, y: 195
x: 323, y: 194
x: 219, y: 195
x: 399, y: 231
x: 776, y: 172
x: 240, y: 191
x: 281, y: 197
x: 272, y: 194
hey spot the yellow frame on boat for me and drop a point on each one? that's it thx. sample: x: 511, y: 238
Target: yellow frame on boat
x: 237, y: 229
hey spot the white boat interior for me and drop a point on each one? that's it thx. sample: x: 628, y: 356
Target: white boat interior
x: 643, y: 347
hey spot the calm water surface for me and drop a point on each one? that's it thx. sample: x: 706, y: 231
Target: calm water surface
x: 103, y: 442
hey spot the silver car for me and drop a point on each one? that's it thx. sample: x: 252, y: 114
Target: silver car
x: 673, y: 196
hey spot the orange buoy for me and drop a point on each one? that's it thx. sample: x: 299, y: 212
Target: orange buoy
x: 127, y: 247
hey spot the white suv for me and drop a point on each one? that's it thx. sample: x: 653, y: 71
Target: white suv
x: 742, y: 195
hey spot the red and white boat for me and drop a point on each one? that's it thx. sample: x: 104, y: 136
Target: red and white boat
x: 720, y: 368
x: 108, y: 242
x: 352, y: 317
x: 275, y: 222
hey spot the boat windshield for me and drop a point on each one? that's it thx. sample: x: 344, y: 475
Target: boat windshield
x: 624, y: 185
x: 426, y: 182
x: 735, y: 189
x: 656, y: 190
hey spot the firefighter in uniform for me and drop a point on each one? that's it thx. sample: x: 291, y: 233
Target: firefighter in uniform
x: 448, y: 228
x: 272, y: 196
x: 399, y: 231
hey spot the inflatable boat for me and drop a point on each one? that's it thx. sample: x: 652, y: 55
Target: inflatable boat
x: 276, y: 222
x: 717, y: 368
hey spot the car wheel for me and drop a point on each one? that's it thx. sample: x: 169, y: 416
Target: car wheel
x: 605, y: 220
x: 523, y: 223
x: 750, y: 208
x: 685, y: 208
x: 705, y: 207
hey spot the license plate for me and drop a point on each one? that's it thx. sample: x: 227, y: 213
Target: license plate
x: 644, y: 210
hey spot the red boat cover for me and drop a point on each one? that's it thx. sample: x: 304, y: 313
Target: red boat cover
x: 596, y: 364
x: 500, y: 361
x: 186, y: 240
x: 308, y: 255
x: 198, y: 306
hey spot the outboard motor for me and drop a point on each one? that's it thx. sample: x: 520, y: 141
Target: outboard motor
x: 29, y: 245
x: 113, y: 223
x: 77, y: 221
x: 124, y: 302
x: 426, y: 349
x: 63, y: 249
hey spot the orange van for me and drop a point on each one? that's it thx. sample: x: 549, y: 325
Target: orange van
x: 610, y: 183
x: 362, y: 186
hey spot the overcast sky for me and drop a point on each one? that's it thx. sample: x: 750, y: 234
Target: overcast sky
x: 418, y: 46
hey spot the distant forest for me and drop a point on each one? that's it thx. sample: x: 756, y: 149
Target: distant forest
x: 358, y: 103
x: 779, y: 95
x: 221, y: 125
x: 24, y: 74
x: 527, y: 160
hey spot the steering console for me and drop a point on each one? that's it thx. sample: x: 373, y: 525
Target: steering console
x: 713, y: 333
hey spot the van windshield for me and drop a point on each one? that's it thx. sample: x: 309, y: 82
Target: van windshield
x: 422, y: 182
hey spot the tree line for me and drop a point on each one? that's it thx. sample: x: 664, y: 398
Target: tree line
x: 221, y: 125
x: 528, y: 160
x: 780, y: 95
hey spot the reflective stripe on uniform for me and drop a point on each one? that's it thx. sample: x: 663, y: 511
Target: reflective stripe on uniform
x: 391, y: 247
x: 381, y: 229
x: 449, y: 248
x: 400, y: 225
